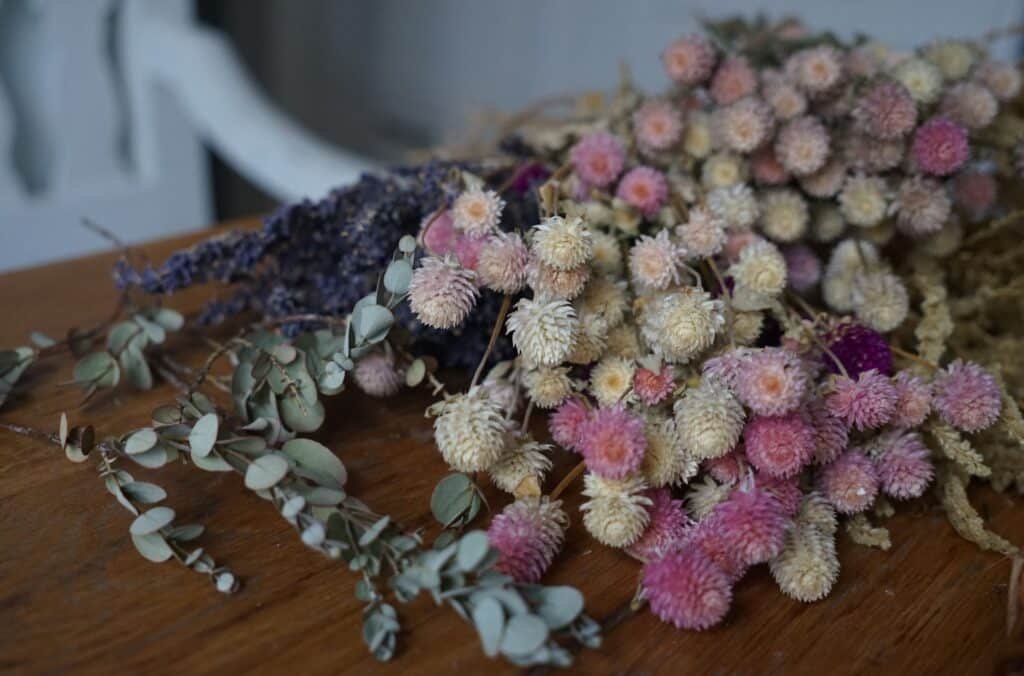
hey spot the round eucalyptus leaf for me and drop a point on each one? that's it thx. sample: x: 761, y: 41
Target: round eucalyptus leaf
x: 154, y: 458
x: 301, y: 416
x: 62, y: 431
x: 167, y: 415
x: 473, y: 547
x: 186, y: 532
x: 153, y: 547
x: 120, y: 334
x: 204, y: 435
x: 211, y: 463
x: 265, y: 472
x: 407, y: 244
x: 285, y: 353
x: 324, y: 497
x: 374, y: 531
x: 397, y: 277
x: 524, y: 635
x: 41, y: 340
x: 202, y: 403
x: 154, y: 331
x: 74, y: 453
x: 249, y: 445
x: 136, y: 369
x: 372, y: 323
x: 168, y: 318
x: 99, y: 369
x: 141, y: 441
x: 455, y: 500
x: 152, y: 521
x: 489, y: 618
x: 559, y: 606
x: 314, y: 534
x: 317, y: 457
x: 143, y: 492
x: 416, y: 372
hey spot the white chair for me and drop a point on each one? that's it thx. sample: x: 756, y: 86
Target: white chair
x: 105, y: 109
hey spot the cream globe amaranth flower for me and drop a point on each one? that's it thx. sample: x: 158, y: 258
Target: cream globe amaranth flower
x: 921, y: 78
x: 880, y: 300
x: 761, y: 269
x: 607, y: 254
x: 654, y: 262
x: 477, y: 211
x: 591, y: 338
x: 469, y: 430
x: 442, y: 293
x: 848, y: 259
x: 682, y: 324
x: 520, y: 462
x: 543, y: 330
x: 611, y: 379
x: 606, y: 297
x: 562, y: 243
x: 666, y: 461
x: 615, y: 513
x: 736, y: 205
x: 547, y: 386
x: 722, y: 170
x: 709, y: 420
x: 784, y: 215
x: 863, y: 200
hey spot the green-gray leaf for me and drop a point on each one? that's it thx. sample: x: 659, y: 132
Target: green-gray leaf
x: 265, y: 472
x: 185, y: 533
x: 559, y: 606
x: 416, y: 372
x: 524, y: 634
x: 154, y: 458
x: 153, y: 547
x: 211, y: 463
x: 374, y: 531
x: 455, y: 500
x: 204, y: 435
x: 152, y: 521
x: 473, y: 547
x: 144, y: 492
x: 407, y: 244
x: 317, y: 457
x: 372, y: 323
x: 99, y: 369
x: 397, y: 277
x: 168, y: 318
x: 299, y: 415
x: 141, y: 441
x: 136, y: 369
x: 489, y: 619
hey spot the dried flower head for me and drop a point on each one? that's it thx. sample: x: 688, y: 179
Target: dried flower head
x: 784, y: 215
x: 703, y: 497
x: 969, y: 104
x: 779, y: 446
x: 880, y: 300
x: 742, y: 126
x: 547, y: 386
x: 709, y: 420
x: 733, y: 79
x: 520, y: 462
x: 850, y: 483
x: 873, y: 155
x: 562, y: 243
x: 816, y: 70
x: 922, y: 206
x: 886, y: 110
x: 752, y: 524
x: 616, y: 513
x: 807, y: 567
x: 611, y: 379
x: 689, y: 60
x: 966, y: 396
x: 623, y: 341
x: 477, y: 211
x: 442, y: 293
x: 543, y: 330
x: 528, y: 534
x: 612, y: 442
x: 903, y: 464
x: 668, y: 526
x: 825, y: 182
x: 654, y: 262
x: 697, y: 140
x: 607, y: 254
x: 666, y: 461
x: 687, y: 590
x: 766, y: 168
x: 502, y: 262
x: 657, y: 125
x: 598, y: 159
x: 831, y: 435
x: 654, y: 387
x: 975, y: 193
x: 802, y: 145
x: 546, y: 280
x: 469, y: 430
x: 858, y: 349
x: 682, y: 324
x: 729, y: 468
x: 566, y: 424
x: 644, y: 188
x: 914, y: 402
x: 786, y: 100
x: 761, y: 269
x: 723, y: 169
x: 953, y: 58
x: 867, y: 402
x: 940, y: 146
x: 771, y: 381
x: 803, y: 267
x: 375, y: 375
x: 922, y: 79
x: 591, y: 339
x: 736, y: 205
x: 1001, y: 78
x: 863, y: 200
x: 703, y: 234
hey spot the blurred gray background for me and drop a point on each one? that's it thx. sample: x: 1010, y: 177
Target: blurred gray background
x: 171, y: 145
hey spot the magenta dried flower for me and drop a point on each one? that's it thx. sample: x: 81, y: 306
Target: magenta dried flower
x: 779, y: 446
x: 771, y: 381
x: 858, y: 349
x: 438, y: 234
x: 865, y: 403
x: 786, y: 491
x: 668, y: 526
x: 886, y: 110
x: 914, y: 401
x: 733, y: 79
x: 752, y: 523
x: 940, y: 146
x: 653, y: 387
x: 689, y: 60
x: 613, y: 442
x: 904, y: 464
x: 598, y: 159
x: 566, y: 424
x: 966, y: 396
x: 850, y: 483
x: 528, y: 534
x: 729, y: 468
x: 644, y: 188
x: 831, y: 435
x: 687, y: 590
x: 766, y: 168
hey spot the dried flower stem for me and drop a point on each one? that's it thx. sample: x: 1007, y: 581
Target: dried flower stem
x: 568, y: 479
x: 913, y: 357
x: 495, y: 332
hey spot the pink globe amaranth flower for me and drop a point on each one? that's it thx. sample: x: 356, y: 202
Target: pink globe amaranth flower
x: 779, y: 446
x: 528, y: 534
x: 703, y: 234
x: 886, y: 110
x: 803, y: 267
x: 940, y: 146
x: 653, y: 387
x: 613, y: 442
x: 644, y: 188
x: 802, y: 145
x: 771, y: 381
x: 903, y: 464
x: 966, y: 396
x: 738, y: 240
x: 733, y: 79
x: 667, y: 527
x: 831, y: 435
x: 707, y: 537
x: 442, y: 293
x: 786, y: 491
x: 566, y: 424
x: 816, y: 70
x: 467, y: 249
x: 375, y: 374
x: 969, y: 104
x: 914, y: 401
x: 850, y: 483
x: 598, y: 159
x: 865, y: 403
x: 502, y: 263
x: 729, y: 468
x: 766, y: 168
x: 657, y: 125
x: 742, y: 126
x: 687, y: 590
x: 858, y: 349
x: 689, y: 60
x: 725, y: 368
x: 438, y: 233
x: 923, y: 206
x: 975, y: 193
x: 752, y: 523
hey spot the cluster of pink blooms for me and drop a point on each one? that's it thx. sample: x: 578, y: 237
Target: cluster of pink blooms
x: 720, y: 426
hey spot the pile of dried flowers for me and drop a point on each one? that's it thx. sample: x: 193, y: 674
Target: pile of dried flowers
x: 752, y: 306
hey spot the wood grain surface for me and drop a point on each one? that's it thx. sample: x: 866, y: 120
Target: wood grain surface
x: 75, y: 597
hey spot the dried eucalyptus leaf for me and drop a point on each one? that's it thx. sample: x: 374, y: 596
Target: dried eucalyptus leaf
x: 301, y: 416
x: 120, y: 334
x: 559, y: 606
x: 167, y: 415
x: 74, y: 453
x: 154, y: 331
x: 416, y: 372
x: 41, y: 340
x: 204, y: 435
x: 265, y: 472
x: 185, y: 533
x: 151, y: 521
x: 285, y: 354
x: 407, y: 244
x: 203, y: 403
x: 62, y: 433
x: 472, y: 549
x: 154, y: 458
x: 489, y: 619
x: 317, y: 457
x: 211, y: 463
x: 455, y: 500
x: 98, y: 369
x: 372, y: 323
x: 397, y: 277
x: 524, y: 635
x: 84, y: 437
x: 147, y: 493
x: 249, y: 445
x: 136, y: 369
x: 170, y: 319
x: 153, y: 547
x: 300, y: 376
x: 141, y: 441
x: 374, y: 531
x: 114, y: 488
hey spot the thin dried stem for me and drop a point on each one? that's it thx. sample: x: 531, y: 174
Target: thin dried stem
x: 568, y: 479
x: 495, y: 332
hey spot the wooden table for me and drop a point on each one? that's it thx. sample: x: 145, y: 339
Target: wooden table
x: 75, y: 596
